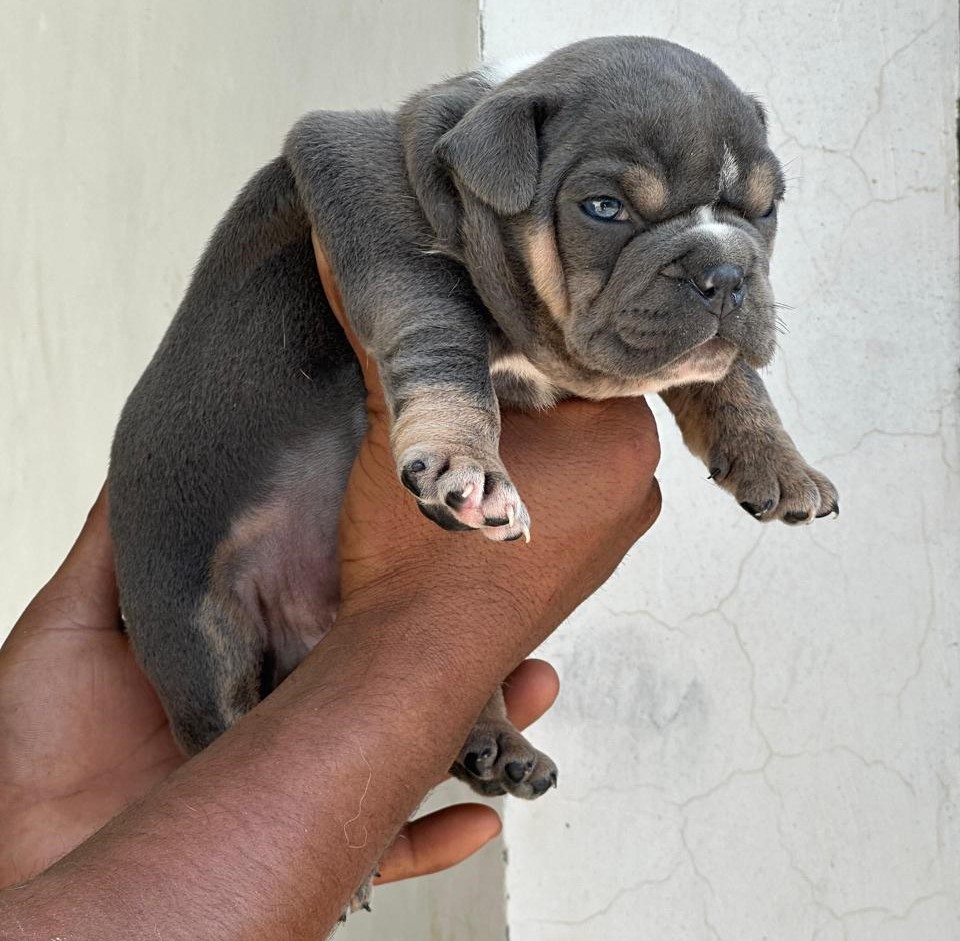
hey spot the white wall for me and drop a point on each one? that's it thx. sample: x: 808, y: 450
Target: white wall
x: 758, y: 734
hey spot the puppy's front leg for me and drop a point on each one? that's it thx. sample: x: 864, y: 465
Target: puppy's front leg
x: 432, y: 352
x: 733, y: 427
x: 445, y: 429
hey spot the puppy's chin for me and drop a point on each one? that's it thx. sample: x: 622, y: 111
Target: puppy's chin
x: 709, y: 361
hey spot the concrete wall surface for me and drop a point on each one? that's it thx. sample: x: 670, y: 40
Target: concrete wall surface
x: 758, y: 733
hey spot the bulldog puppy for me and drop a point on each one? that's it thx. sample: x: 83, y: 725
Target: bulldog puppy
x: 599, y: 224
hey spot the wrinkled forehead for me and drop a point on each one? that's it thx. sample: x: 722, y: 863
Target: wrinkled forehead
x: 749, y: 182
x: 667, y: 153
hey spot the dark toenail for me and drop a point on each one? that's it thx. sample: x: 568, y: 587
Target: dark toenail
x: 512, y: 538
x: 366, y: 907
x: 833, y: 510
x: 454, y: 500
x: 515, y: 771
x: 495, y: 521
x: 714, y: 473
x: 553, y: 778
x: 796, y: 517
x: 470, y: 762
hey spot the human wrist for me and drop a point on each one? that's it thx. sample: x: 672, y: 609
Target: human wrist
x: 454, y: 623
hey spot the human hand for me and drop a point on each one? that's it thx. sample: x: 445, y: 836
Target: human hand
x: 82, y: 733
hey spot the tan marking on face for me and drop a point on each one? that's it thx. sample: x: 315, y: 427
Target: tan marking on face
x: 647, y: 190
x: 759, y: 189
x: 546, y: 272
x: 442, y: 415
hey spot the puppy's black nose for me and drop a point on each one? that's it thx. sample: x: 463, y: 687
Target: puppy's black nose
x: 721, y: 288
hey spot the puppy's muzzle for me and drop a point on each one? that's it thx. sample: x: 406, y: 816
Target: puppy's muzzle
x: 720, y: 288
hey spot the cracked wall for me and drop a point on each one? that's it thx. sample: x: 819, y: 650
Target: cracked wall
x: 758, y: 731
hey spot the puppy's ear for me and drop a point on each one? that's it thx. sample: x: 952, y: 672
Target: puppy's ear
x: 423, y: 120
x: 493, y: 151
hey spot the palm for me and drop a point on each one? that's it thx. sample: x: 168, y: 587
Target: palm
x: 74, y: 703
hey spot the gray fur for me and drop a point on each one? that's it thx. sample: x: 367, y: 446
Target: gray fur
x: 232, y: 453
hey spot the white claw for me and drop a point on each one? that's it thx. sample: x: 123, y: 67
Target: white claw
x: 468, y: 490
x: 526, y: 533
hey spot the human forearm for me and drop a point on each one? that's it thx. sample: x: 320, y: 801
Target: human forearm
x: 270, y: 830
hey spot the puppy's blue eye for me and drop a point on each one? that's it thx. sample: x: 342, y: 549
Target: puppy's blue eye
x: 604, y: 207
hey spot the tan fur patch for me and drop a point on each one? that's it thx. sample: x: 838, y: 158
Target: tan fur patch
x: 243, y: 536
x: 759, y: 190
x: 444, y: 415
x: 647, y: 190
x: 546, y: 271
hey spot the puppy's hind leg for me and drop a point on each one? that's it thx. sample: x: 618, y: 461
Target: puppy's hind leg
x: 209, y: 674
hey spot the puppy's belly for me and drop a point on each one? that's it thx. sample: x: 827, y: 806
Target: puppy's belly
x: 279, y: 559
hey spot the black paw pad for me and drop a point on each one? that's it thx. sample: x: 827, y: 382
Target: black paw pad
x: 476, y: 762
x: 443, y: 518
x: 542, y: 785
x: 757, y: 511
x: 796, y: 517
x: 408, y: 476
x: 515, y: 771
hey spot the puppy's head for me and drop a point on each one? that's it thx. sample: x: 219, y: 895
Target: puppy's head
x: 616, y: 205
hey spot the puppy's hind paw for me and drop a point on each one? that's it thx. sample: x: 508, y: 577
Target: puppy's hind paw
x: 497, y: 759
x: 361, y: 898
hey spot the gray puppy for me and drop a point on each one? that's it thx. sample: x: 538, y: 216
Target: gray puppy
x: 597, y: 225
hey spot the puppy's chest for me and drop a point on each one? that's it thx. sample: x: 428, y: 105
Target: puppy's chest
x: 519, y: 382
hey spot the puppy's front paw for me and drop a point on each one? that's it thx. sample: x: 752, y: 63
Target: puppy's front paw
x: 497, y: 759
x: 769, y: 478
x: 459, y: 490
